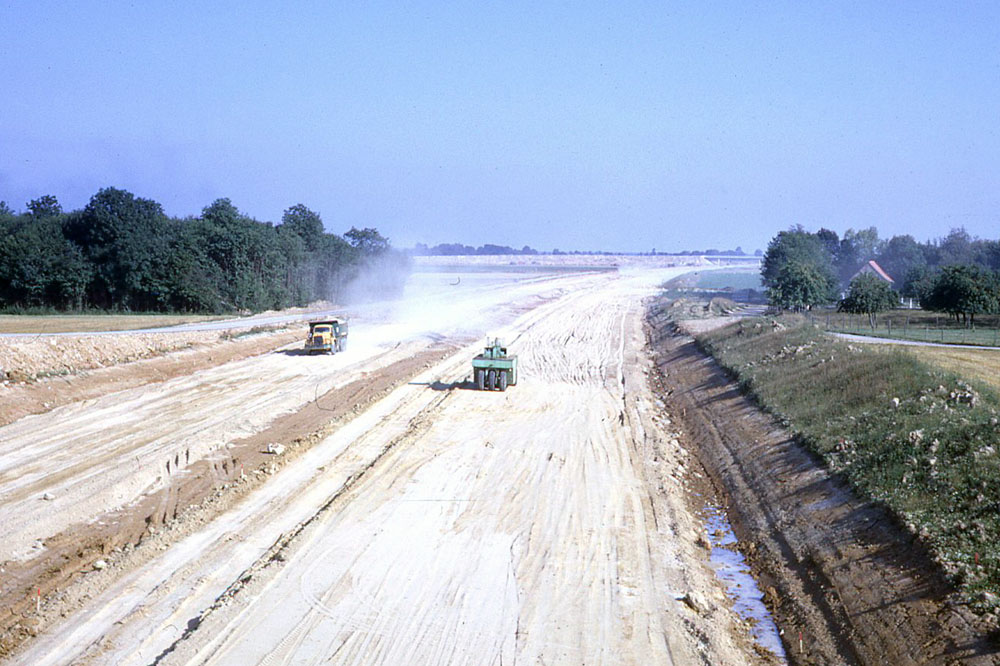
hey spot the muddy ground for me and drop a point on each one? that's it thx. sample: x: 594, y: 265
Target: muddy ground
x: 845, y: 582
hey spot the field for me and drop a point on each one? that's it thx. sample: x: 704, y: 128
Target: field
x: 42, y: 324
x: 914, y: 325
x: 979, y: 365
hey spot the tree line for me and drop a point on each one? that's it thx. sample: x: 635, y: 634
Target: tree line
x: 957, y: 274
x: 123, y: 253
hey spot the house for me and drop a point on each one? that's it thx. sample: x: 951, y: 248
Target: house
x: 874, y: 269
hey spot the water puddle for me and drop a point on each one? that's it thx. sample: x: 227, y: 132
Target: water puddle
x: 732, y: 570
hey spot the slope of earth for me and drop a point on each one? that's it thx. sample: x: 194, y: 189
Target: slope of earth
x: 113, y: 453
x: 846, y: 583
x: 547, y: 524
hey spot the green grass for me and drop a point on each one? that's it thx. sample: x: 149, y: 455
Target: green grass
x: 903, y: 432
x: 915, y: 325
x: 62, y: 323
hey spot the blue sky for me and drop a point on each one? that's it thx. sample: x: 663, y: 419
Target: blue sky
x: 593, y: 126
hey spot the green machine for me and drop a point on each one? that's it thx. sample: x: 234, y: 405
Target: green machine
x: 494, y: 369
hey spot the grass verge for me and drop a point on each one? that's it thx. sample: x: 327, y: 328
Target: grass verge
x: 89, y: 323
x: 915, y: 437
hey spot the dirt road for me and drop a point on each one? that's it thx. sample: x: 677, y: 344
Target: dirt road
x: 547, y: 524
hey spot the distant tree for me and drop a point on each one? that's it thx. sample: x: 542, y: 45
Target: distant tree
x: 5, y: 210
x: 900, y: 254
x: 868, y: 295
x: 830, y: 240
x: 964, y: 290
x: 918, y: 282
x: 799, y: 286
x: 45, y: 206
x: 39, y: 267
x: 798, y: 253
x: 368, y: 241
x: 956, y: 248
x: 856, y: 248
x: 124, y: 237
x: 305, y: 223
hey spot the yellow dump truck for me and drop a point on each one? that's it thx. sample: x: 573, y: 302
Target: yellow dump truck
x: 327, y: 335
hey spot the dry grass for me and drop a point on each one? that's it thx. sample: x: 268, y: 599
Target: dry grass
x: 90, y: 323
x: 975, y: 364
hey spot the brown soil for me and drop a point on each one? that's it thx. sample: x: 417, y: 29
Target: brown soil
x: 845, y: 583
x: 63, y: 575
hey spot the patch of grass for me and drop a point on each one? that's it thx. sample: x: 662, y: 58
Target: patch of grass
x: 982, y: 365
x: 915, y: 325
x: 904, y: 432
x: 65, y: 323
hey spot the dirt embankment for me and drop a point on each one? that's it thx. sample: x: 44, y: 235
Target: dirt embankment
x: 845, y: 583
x: 79, y: 562
x: 39, y: 374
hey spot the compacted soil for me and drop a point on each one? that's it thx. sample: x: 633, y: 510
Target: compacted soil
x: 400, y: 517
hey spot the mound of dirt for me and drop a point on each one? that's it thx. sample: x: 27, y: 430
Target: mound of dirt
x: 29, y: 359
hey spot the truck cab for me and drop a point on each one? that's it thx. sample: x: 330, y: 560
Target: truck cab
x: 327, y: 335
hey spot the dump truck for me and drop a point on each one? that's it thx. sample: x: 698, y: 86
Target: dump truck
x: 327, y: 335
x: 494, y: 369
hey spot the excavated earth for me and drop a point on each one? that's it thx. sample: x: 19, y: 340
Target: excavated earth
x: 238, y: 502
x: 845, y: 582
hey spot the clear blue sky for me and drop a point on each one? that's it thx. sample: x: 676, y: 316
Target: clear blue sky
x: 576, y: 125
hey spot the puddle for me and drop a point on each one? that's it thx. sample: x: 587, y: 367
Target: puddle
x: 733, y: 571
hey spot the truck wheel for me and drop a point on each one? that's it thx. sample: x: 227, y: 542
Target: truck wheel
x: 503, y: 380
x: 491, y: 380
x: 343, y: 345
x: 480, y: 379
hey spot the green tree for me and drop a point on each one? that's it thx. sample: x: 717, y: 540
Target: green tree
x: 964, y: 290
x: 811, y: 260
x: 899, y: 255
x: 39, y: 267
x: 369, y: 242
x: 956, y: 248
x: 125, y: 239
x: 305, y: 223
x: 868, y: 295
x: 856, y: 248
x: 45, y: 206
x: 799, y: 286
x: 918, y: 282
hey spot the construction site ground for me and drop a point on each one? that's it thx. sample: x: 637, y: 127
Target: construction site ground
x: 240, y: 502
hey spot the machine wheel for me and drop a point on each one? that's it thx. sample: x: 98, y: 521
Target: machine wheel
x: 503, y: 380
x: 480, y: 379
x: 491, y: 380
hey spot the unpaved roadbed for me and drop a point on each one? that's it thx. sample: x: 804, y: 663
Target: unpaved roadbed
x: 127, y: 538
x: 547, y: 524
